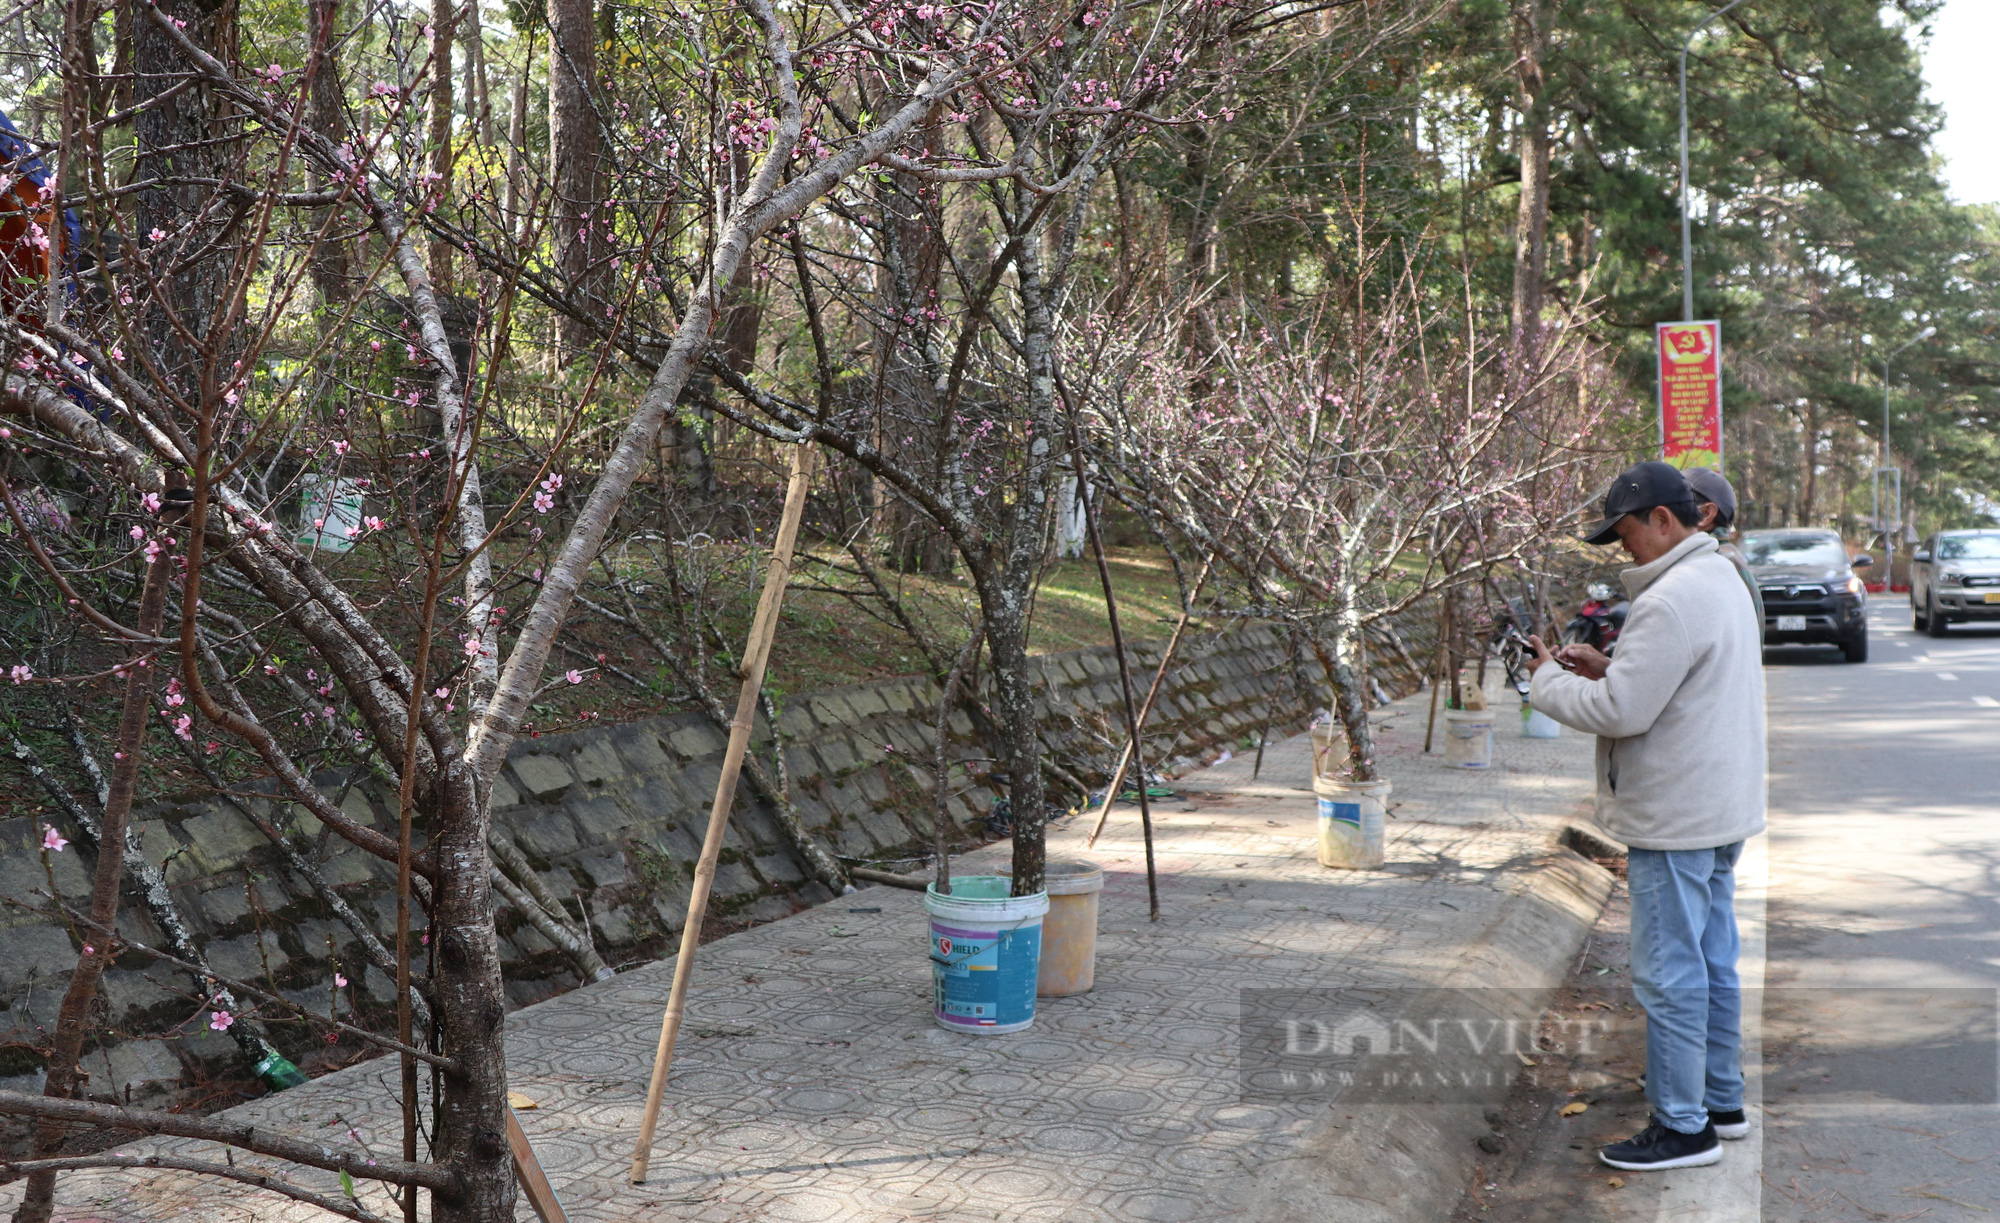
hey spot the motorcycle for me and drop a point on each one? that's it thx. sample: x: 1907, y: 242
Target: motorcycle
x: 1599, y: 621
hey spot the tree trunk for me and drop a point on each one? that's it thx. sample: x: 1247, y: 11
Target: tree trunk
x: 121, y: 53
x: 517, y: 136
x: 478, y: 107
x: 444, y: 20
x: 909, y: 370
x: 1014, y: 706
x: 1347, y: 671
x: 1809, y: 465
x: 686, y: 444
x: 574, y: 149
x: 331, y: 271
x: 1006, y: 609
x: 472, y: 1109
x: 1531, y: 222
x: 183, y: 142
x: 73, y: 1020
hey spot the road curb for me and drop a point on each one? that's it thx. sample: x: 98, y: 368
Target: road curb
x: 1394, y: 1163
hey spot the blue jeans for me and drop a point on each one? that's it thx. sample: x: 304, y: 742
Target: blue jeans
x: 1684, y: 949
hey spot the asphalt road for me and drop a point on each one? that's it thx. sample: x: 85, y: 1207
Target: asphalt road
x: 1879, y: 1076
x: 1871, y: 922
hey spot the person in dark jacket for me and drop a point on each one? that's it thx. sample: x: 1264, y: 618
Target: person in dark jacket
x: 1717, y: 501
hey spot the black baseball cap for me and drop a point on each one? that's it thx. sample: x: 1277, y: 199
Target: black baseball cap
x: 1637, y: 489
x: 1709, y: 485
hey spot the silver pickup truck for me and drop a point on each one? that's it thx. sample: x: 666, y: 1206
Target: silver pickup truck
x: 1954, y: 577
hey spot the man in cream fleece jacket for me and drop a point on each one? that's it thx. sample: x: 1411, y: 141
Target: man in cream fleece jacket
x: 1679, y: 720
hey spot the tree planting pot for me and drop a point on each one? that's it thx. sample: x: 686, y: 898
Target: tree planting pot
x: 985, y: 953
x: 1468, y: 738
x: 1353, y: 821
x: 1069, y: 932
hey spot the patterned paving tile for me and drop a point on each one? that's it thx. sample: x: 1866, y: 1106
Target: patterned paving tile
x: 811, y: 1084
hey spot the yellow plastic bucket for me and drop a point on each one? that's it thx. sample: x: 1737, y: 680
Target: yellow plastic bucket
x: 1069, y: 931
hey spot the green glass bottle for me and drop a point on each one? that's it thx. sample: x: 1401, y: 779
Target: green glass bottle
x: 278, y: 1072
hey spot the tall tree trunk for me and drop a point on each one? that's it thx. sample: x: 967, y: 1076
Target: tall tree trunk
x: 1006, y: 607
x: 574, y: 149
x: 515, y: 200
x: 444, y: 20
x: 687, y: 442
x: 184, y: 142
x: 1809, y: 465
x: 1531, y: 221
x: 478, y: 107
x: 73, y: 1020
x: 331, y: 270
x: 909, y: 369
x: 121, y: 53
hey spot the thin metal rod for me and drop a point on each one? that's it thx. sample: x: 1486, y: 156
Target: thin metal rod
x: 1687, y: 240
x: 1137, y: 749
x: 1889, y: 531
x: 1167, y: 659
x: 755, y: 654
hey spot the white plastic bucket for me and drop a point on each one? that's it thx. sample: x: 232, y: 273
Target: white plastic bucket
x: 1069, y: 932
x: 1468, y: 738
x: 1537, y: 725
x: 986, y: 949
x: 1329, y: 744
x: 1353, y: 816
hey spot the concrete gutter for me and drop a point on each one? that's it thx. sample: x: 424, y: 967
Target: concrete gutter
x: 1386, y: 1163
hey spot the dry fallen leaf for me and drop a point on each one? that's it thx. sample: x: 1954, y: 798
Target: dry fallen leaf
x: 1616, y: 1182
x: 518, y: 1102
x: 1573, y: 1108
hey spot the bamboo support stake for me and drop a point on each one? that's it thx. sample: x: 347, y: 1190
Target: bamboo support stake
x: 755, y: 654
x: 1444, y: 656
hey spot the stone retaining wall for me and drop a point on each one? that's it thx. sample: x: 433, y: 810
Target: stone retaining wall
x: 612, y: 820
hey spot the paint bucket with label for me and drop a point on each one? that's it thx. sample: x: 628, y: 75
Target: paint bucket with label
x: 1468, y: 738
x: 986, y: 950
x: 1353, y: 816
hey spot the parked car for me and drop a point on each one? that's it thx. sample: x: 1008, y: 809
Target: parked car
x: 1811, y: 593
x: 1955, y: 576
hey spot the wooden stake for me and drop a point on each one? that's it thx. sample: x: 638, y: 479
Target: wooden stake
x: 1444, y: 657
x: 528, y: 1170
x: 755, y: 654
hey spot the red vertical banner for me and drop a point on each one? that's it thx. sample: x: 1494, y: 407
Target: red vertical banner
x: 1691, y: 393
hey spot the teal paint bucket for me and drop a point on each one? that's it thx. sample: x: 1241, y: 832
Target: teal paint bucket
x: 986, y: 951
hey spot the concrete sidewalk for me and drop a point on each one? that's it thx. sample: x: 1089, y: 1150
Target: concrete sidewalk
x: 811, y: 1083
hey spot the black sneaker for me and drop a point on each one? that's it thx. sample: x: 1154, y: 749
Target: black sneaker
x: 1657, y: 1148
x: 1732, y: 1124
